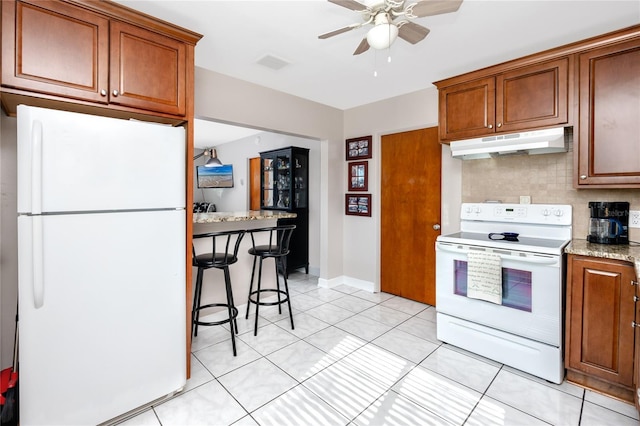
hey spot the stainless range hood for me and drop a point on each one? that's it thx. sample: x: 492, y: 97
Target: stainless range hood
x: 545, y: 141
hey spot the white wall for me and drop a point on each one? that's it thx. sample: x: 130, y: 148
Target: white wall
x: 361, y: 237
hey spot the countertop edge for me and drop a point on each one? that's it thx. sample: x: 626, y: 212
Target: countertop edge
x: 624, y: 252
x: 241, y: 216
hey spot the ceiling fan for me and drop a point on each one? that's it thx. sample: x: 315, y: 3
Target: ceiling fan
x: 391, y: 19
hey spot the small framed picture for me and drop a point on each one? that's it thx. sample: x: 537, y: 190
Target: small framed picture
x: 358, y: 176
x: 357, y: 204
x: 358, y: 148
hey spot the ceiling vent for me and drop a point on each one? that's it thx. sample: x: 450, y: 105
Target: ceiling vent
x: 272, y: 62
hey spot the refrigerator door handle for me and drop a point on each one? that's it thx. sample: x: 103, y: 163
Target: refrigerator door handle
x: 36, y: 209
x: 36, y: 167
x: 37, y: 262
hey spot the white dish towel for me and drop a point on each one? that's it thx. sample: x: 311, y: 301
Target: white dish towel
x: 484, y: 276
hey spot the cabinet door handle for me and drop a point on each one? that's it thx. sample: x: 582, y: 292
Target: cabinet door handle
x: 636, y: 298
x: 634, y: 282
x: 499, y: 124
x: 115, y: 92
x: 490, y: 126
x: 634, y: 324
x: 583, y: 177
x: 103, y: 92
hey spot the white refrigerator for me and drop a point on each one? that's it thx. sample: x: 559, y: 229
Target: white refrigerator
x: 101, y: 265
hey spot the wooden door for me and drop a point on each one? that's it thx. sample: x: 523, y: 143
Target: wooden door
x: 410, y: 203
x: 148, y: 70
x: 60, y: 49
x: 254, y: 183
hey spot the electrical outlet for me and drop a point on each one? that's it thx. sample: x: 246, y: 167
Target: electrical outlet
x: 525, y: 199
x: 634, y: 218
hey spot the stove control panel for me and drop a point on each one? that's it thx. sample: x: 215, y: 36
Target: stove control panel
x: 556, y: 214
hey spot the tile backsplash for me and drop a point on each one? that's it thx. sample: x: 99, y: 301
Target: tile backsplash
x: 547, y: 178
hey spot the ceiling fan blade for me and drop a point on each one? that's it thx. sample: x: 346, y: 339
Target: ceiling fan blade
x: 340, y: 31
x: 412, y: 32
x: 362, y: 47
x: 432, y: 7
x: 349, y: 4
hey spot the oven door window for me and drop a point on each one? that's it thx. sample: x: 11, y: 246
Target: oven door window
x: 516, y: 286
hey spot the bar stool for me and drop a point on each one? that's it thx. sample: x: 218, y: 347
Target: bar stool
x: 278, y: 249
x: 220, y: 257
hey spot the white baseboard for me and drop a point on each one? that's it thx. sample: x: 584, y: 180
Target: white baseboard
x: 351, y: 282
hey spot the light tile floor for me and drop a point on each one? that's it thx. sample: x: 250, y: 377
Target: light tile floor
x: 363, y: 359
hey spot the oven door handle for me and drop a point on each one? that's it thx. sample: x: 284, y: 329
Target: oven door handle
x: 537, y: 261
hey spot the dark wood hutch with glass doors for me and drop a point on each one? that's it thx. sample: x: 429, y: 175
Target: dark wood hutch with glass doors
x: 284, y: 186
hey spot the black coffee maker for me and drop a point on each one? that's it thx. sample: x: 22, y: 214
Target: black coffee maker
x: 609, y: 222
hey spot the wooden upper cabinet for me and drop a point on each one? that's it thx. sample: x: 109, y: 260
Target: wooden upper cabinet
x: 524, y: 98
x: 609, y: 119
x: 55, y: 48
x: 535, y: 96
x: 147, y: 70
x: 467, y: 110
x: 97, y: 52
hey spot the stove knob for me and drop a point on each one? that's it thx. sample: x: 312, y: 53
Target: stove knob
x: 545, y: 212
x: 468, y: 209
x: 477, y: 209
x: 558, y: 212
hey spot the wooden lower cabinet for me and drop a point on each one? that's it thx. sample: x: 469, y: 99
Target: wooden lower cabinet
x: 636, y: 360
x: 599, y: 340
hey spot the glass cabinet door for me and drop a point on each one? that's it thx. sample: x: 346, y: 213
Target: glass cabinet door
x: 300, y: 181
x: 285, y: 173
x: 268, y: 182
x: 283, y: 162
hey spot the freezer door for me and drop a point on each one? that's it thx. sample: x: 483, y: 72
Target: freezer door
x: 104, y: 330
x: 70, y: 162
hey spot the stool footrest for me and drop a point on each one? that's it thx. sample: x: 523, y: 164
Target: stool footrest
x: 234, y: 314
x: 267, y: 290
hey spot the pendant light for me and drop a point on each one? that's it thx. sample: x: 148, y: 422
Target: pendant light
x: 213, y: 160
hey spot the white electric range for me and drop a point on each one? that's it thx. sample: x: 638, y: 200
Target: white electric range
x: 525, y: 328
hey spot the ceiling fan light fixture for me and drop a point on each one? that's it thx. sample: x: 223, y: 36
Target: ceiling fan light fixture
x: 382, y: 36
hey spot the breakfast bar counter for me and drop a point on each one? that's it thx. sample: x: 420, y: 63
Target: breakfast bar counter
x: 242, y: 216
x: 240, y: 272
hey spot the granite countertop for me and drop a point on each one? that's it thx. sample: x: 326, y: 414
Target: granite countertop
x: 241, y: 216
x: 629, y: 253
